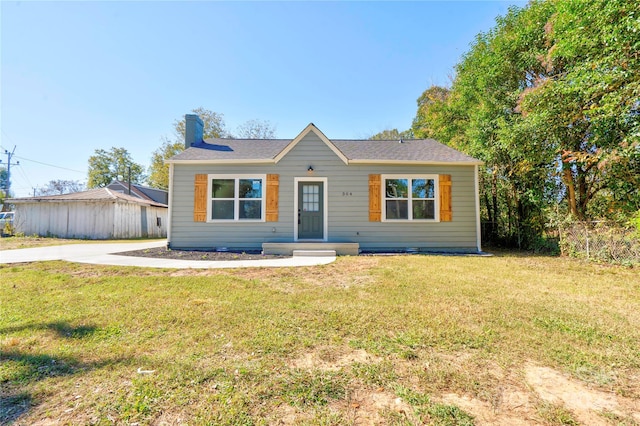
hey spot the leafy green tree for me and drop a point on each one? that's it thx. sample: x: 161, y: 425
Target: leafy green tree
x: 4, y: 179
x: 479, y: 115
x: 115, y: 164
x: 549, y: 100
x: 430, y: 120
x: 591, y: 108
x: 60, y: 186
x: 4, y: 184
x: 392, y: 135
x: 159, y: 170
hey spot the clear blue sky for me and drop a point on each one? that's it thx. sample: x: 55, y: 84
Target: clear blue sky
x: 80, y: 76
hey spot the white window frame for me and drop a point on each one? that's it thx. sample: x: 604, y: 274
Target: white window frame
x: 236, y: 199
x: 410, y: 178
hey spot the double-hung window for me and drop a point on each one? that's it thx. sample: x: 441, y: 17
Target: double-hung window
x: 236, y: 198
x: 410, y: 198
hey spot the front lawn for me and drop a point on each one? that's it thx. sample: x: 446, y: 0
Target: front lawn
x: 18, y: 242
x: 366, y: 340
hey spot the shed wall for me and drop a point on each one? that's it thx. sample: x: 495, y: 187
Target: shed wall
x: 88, y: 220
x: 348, y: 205
x: 65, y: 220
x: 130, y: 223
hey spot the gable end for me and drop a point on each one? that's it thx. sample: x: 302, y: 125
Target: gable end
x: 311, y: 128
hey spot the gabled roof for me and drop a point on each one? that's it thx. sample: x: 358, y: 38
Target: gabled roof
x: 246, y: 151
x: 144, y: 192
x: 119, y: 186
x: 311, y: 128
x: 98, y: 194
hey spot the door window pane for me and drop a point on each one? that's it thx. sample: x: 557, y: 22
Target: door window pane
x: 311, y: 198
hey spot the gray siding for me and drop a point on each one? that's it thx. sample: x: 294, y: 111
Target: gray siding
x: 348, y: 215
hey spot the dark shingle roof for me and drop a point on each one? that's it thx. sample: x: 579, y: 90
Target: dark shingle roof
x: 421, y: 150
x: 234, y: 149
x: 369, y: 151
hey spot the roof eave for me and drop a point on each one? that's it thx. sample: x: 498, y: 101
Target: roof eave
x: 225, y: 161
x: 420, y: 162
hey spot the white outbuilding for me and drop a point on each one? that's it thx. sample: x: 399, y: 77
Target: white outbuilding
x: 94, y: 214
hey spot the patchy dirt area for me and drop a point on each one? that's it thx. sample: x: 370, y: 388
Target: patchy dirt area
x: 525, y: 396
x: 164, y: 253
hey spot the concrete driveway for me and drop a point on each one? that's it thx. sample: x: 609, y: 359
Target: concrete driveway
x: 102, y: 254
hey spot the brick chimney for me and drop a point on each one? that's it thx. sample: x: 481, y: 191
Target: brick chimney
x: 193, y: 130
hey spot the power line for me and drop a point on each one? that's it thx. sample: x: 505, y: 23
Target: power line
x: 24, y: 175
x: 51, y: 165
x: 40, y: 162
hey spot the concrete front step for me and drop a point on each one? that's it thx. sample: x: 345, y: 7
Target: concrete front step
x: 287, y: 249
x: 316, y: 253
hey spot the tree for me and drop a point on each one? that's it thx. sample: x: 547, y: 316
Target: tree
x: 4, y: 184
x: 431, y: 107
x: 548, y: 99
x: 256, y: 129
x: 115, y: 164
x: 479, y: 116
x: 214, y: 125
x: 60, y: 186
x: 4, y: 179
x: 392, y: 135
x: 590, y: 109
x: 159, y: 170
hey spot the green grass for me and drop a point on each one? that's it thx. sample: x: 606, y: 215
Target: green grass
x: 20, y: 242
x: 229, y: 347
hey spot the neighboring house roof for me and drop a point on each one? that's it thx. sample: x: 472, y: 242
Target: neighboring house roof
x: 144, y: 192
x: 98, y: 194
x: 412, y: 151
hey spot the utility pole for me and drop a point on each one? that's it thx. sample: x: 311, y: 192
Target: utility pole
x: 7, y: 185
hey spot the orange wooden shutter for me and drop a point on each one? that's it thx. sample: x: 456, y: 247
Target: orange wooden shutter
x: 200, y: 199
x: 446, y: 214
x: 375, y: 206
x: 273, y: 188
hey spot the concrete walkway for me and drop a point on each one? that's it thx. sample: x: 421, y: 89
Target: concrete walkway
x: 101, y: 254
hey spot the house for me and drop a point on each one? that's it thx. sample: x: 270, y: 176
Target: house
x: 312, y: 193
x: 94, y: 214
